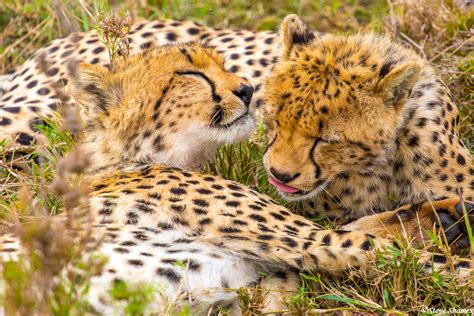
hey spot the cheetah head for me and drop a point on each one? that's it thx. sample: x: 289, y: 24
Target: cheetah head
x: 333, y: 106
x: 173, y: 105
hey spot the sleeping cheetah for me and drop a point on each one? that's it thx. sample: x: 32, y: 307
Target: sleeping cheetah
x: 29, y: 95
x: 373, y: 129
x: 154, y: 215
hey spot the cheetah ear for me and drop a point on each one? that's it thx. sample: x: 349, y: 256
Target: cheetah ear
x: 95, y: 89
x: 293, y: 31
x: 395, y: 85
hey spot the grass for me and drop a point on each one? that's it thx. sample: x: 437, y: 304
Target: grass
x: 438, y: 30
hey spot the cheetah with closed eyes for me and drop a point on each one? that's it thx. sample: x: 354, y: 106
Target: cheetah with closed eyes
x: 374, y: 129
x: 27, y: 95
x: 153, y: 215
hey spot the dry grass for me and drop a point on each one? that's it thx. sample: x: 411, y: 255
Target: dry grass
x: 31, y: 283
x: 442, y: 32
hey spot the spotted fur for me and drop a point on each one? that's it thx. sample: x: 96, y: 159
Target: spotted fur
x: 374, y: 128
x: 28, y: 95
x: 154, y: 216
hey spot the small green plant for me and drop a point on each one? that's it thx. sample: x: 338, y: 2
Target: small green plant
x: 112, y: 28
x: 136, y: 297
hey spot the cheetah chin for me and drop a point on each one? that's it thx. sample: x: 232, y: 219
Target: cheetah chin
x: 197, y: 144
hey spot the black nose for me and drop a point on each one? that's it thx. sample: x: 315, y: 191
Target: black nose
x: 244, y: 93
x: 283, y: 177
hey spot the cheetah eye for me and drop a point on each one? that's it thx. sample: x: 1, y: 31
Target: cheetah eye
x: 201, y: 76
x: 196, y: 74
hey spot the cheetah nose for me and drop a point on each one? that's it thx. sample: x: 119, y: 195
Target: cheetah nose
x: 283, y: 177
x: 244, y: 93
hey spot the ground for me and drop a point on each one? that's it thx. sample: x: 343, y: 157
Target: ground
x: 444, y: 40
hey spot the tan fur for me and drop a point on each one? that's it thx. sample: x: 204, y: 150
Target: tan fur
x: 148, y: 126
x: 361, y: 125
x: 28, y: 94
x: 154, y: 215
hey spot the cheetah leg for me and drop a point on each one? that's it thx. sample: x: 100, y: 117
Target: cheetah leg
x: 330, y: 251
x: 411, y: 221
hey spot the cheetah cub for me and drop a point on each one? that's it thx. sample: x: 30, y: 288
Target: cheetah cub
x: 363, y: 130
x: 149, y: 116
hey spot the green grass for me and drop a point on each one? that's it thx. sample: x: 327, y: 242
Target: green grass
x: 136, y: 299
x: 398, y: 283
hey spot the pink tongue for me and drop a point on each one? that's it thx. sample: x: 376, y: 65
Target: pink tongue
x: 281, y: 186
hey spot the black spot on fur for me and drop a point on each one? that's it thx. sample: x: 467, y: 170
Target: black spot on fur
x: 204, y: 191
x: 135, y: 262
x: 289, y: 242
x: 12, y: 109
x: 326, y: 240
x: 459, y: 177
x: 200, y: 203
x: 170, y: 274
x: 232, y: 203
x: 52, y: 72
x: 5, y: 121
x: 171, y: 37
x: 255, y: 207
x: 460, y: 159
x: 24, y: 139
x: 239, y: 222
x: 265, y: 237
x: 193, y: 31
x: 98, y: 50
x: 347, y: 243
x: 413, y: 141
x: 258, y: 218
x: 43, y: 91
x: 205, y: 221
x: 178, y: 191
x: 32, y: 84
x: 99, y: 187
x: 229, y: 230
x: 121, y: 250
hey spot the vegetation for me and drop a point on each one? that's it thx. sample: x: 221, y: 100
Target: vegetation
x: 441, y: 31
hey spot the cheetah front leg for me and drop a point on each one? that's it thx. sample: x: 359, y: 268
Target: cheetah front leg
x: 412, y: 221
x: 330, y: 251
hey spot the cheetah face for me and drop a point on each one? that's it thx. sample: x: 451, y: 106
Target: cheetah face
x: 328, y: 113
x: 173, y: 105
